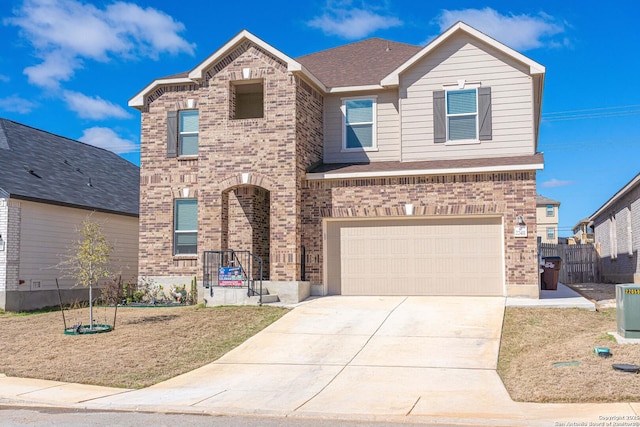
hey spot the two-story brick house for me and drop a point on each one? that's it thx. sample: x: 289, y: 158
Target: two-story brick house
x: 374, y: 168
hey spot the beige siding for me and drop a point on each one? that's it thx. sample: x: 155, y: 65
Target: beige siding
x: 544, y: 222
x: 459, y: 256
x: 46, y: 233
x: 463, y: 57
x: 388, y: 129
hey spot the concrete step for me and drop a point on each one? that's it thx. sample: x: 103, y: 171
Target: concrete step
x: 236, y: 296
x: 266, y: 299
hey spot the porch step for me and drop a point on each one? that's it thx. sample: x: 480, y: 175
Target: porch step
x: 236, y: 296
x: 269, y: 298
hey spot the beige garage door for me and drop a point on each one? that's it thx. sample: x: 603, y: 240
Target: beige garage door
x: 415, y: 257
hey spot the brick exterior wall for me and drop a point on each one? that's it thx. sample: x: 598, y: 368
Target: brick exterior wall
x: 505, y: 194
x: 624, y: 266
x: 233, y: 155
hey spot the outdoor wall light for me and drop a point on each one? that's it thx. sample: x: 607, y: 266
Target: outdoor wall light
x: 520, y: 220
x: 191, y: 103
x: 1, y: 243
x: 246, y: 73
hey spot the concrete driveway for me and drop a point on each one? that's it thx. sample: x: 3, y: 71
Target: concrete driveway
x: 353, y: 357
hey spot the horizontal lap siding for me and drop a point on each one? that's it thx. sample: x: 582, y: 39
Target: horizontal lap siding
x: 388, y: 129
x: 465, y: 58
x: 47, y: 233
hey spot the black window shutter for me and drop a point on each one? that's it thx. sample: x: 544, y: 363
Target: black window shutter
x: 439, y: 117
x: 172, y: 133
x: 484, y: 113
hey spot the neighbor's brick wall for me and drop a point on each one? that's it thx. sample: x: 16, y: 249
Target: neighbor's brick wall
x: 625, y: 266
x: 264, y: 149
x: 507, y: 194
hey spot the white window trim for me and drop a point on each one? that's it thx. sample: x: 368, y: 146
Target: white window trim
x: 175, y: 231
x: 629, y: 232
x: 374, y: 130
x: 553, y: 211
x: 181, y: 133
x: 461, y: 85
x: 613, y: 236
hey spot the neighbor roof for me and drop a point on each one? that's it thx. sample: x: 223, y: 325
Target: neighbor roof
x: 39, y: 166
x: 361, y: 63
x: 541, y: 200
x: 620, y: 194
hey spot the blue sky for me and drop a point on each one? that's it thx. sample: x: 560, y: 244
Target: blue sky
x: 70, y: 66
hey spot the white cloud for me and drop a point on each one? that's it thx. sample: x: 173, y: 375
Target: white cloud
x: 352, y: 22
x: 4, y: 78
x: 520, y: 32
x: 108, y: 139
x: 64, y: 32
x: 553, y: 183
x: 93, y: 108
x: 15, y: 104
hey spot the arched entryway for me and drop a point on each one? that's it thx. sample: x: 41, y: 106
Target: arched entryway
x: 246, y: 222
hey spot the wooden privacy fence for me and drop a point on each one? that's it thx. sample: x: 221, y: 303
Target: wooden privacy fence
x: 580, y: 263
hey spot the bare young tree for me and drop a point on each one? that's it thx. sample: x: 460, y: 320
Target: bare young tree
x: 89, y: 259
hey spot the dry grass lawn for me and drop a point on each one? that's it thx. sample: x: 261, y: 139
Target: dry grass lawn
x: 533, y: 339
x: 148, y: 345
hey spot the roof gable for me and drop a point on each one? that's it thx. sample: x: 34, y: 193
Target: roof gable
x: 198, y: 73
x: 40, y: 166
x: 393, y: 78
x: 543, y: 201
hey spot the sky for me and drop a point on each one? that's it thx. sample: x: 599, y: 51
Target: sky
x: 69, y: 67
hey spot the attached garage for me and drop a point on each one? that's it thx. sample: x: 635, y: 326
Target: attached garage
x: 423, y: 256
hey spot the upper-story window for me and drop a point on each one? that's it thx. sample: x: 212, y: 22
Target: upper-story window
x: 182, y: 133
x: 359, y: 123
x: 462, y: 114
x: 550, y: 211
x: 188, y: 131
x: 247, y: 100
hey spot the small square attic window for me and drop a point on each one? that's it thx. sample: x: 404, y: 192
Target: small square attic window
x: 247, y: 100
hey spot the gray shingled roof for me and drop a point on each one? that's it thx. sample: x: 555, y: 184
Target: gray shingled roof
x: 541, y: 200
x: 365, y: 62
x: 39, y: 166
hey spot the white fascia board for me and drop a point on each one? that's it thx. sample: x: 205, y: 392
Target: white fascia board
x: 138, y: 100
x: 365, y: 88
x: 196, y: 73
x: 622, y: 192
x: 310, y: 76
x: 394, y: 77
x: 417, y: 172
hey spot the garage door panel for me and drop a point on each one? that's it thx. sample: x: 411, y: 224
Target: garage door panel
x: 417, y: 257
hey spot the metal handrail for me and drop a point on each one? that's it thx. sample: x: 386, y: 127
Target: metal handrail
x: 229, y: 257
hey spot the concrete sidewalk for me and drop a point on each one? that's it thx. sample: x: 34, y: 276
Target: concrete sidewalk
x: 405, y: 359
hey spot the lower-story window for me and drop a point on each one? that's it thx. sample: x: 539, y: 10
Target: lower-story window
x: 185, y: 227
x: 551, y: 233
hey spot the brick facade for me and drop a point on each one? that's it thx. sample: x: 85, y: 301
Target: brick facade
x: 247, y: 174
x: 250, y: 180
x: 504, y: 194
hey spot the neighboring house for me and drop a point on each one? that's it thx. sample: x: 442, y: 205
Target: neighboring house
x: 583, y: 231
x: 547, y: 211
x: 373, y: 168
x: 48, y: 187
x: 616, y: 227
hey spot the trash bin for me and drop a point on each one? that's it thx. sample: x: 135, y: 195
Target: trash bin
x: 551, y: 265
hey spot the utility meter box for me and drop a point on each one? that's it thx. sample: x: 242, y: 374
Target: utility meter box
x: 628, y: 310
